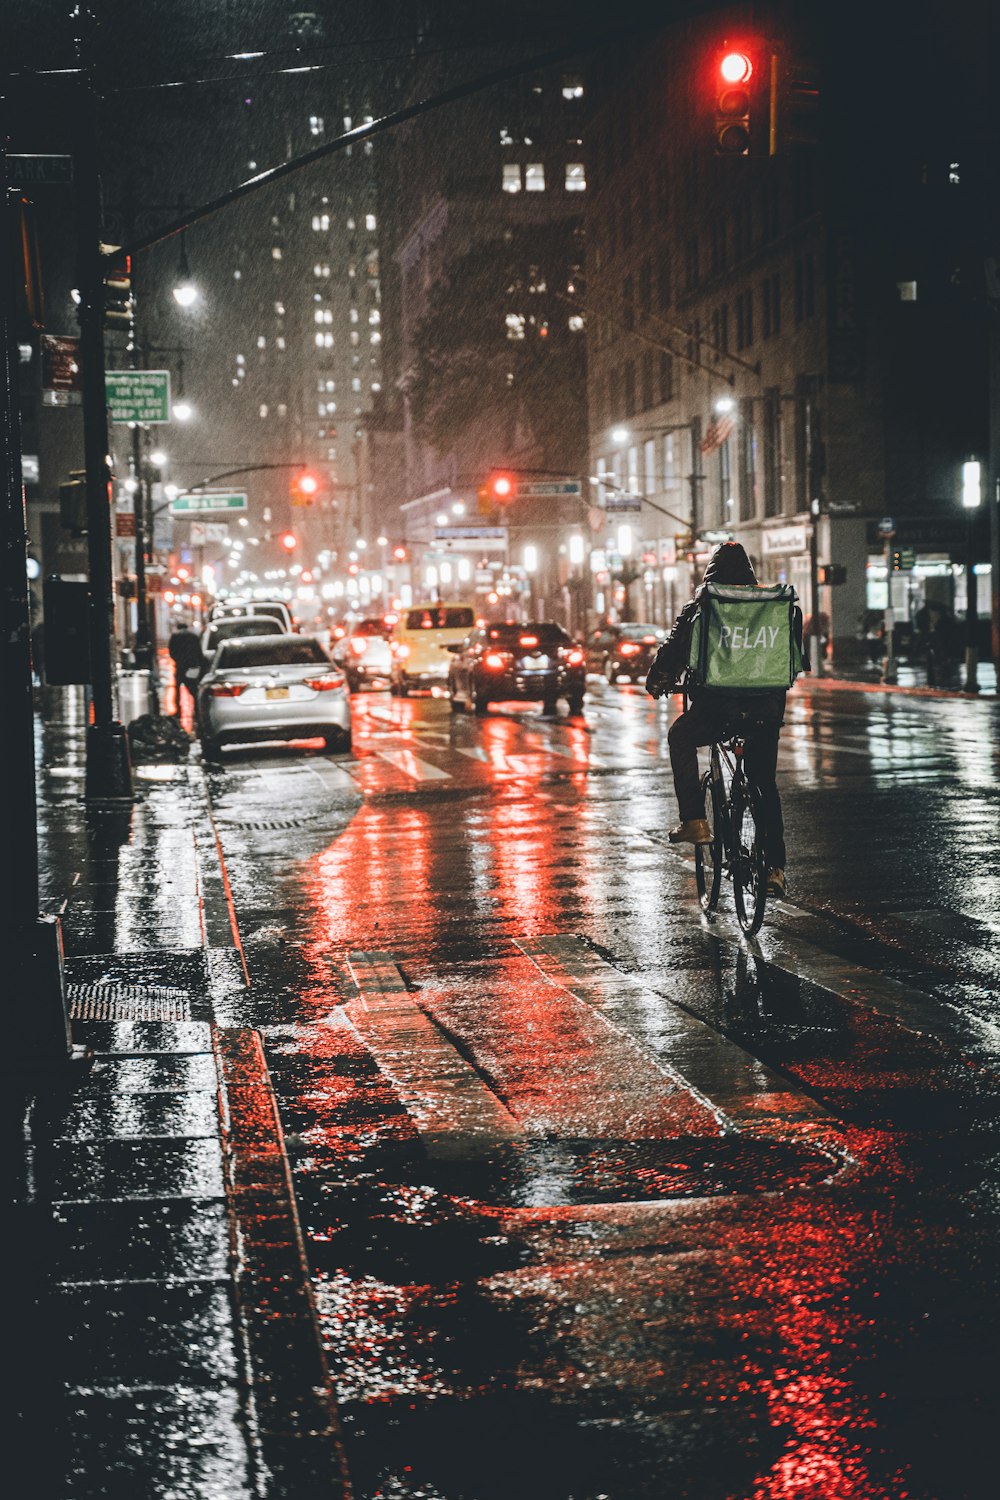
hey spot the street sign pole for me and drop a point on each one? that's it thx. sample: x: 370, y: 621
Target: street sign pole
x: 108, y: 771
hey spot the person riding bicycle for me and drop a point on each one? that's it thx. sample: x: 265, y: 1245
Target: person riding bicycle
x: 756, y: 717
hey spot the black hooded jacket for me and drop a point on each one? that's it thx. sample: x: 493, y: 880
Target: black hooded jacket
x: 729, y: 563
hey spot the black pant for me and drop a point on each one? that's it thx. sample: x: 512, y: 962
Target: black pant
x: 703, y: 724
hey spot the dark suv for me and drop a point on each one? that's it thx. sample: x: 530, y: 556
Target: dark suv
x: 624, y: 650
x: 533, y: 661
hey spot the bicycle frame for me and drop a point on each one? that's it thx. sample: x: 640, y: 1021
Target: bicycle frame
x: 738, y: 843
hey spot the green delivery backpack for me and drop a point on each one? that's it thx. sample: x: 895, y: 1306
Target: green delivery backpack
x: 743, y: 638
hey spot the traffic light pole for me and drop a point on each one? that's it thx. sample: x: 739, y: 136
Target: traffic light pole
x: 108, y: 772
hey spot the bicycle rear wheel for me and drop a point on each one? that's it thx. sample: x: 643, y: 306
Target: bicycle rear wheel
x: 749, y: 858
x: 708, y: 857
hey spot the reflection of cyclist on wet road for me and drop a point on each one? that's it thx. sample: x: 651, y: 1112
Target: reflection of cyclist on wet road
x: 757, y: 717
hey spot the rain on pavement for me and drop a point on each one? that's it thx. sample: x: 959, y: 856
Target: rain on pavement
x: 598, y: 1198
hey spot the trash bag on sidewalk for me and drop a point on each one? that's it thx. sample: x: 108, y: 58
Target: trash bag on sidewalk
x: 158, y: 737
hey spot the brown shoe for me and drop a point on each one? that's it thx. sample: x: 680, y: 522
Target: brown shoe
x: 693, y: 831
x: 776, y: 883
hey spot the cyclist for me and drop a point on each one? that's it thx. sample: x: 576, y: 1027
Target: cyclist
x: 757, y: 717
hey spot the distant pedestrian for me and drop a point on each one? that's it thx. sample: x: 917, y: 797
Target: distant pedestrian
x: 186, y: 654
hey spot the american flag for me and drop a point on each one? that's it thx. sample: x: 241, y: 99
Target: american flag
x: 716, y: 432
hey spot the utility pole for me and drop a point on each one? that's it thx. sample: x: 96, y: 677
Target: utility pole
x: 36, y: 1021
x: 109, y: 773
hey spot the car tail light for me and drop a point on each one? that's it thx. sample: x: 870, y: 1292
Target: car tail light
x: 227, y: 689
x: 629, y: 648
x: 575, y: 658
x: 326, y: 683
x: 527, y: 640
x: 400, y: 650
x: 359, y: 645
x: 649, y: 640
x: 338, y: 632
x: 496, y: 660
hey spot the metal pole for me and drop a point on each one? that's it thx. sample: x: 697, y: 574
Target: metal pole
x: 109, y: 774
x: 889, y: 673
x: 142, y: 648
x: 815, y: 646
x: 971, y: 604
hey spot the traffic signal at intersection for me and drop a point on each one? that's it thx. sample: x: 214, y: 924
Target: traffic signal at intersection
x: 304, y: 489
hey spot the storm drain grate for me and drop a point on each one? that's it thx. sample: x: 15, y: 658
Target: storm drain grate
x: 127, y: 1002
x: 273, y: 825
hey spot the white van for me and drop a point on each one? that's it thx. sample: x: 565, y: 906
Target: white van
x: 419, y: 644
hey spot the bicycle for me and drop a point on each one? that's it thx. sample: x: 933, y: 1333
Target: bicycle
x: 739, y: 836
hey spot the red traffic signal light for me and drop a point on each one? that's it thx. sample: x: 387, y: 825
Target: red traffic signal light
x: 304, y: 488
x: 289, y: 541
x: 502, y: 488
x: 399, y: 553
x: 734, y: 70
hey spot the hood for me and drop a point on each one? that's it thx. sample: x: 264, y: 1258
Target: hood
x: 729, y: 564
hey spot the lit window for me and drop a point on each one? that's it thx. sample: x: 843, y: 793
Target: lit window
x: 354, y: 315
x: 576, y: 323
x: 515, y: 325
x: 237, y: 275
x: 534, y: 177
x: 282, y: 409
x: 279, y: 308
x: 376, y: 386
x: 241, y: 359
x: 348, y: 122
x: 907, y: 291
x: 276, y: 252
x: 263, y: 408
x: 351, y: 224
x: 261, y: 341
x: 374, y: 316
x: 506, y: 139
x: 576, y: 180
x: 369, y: 221
x: 954, y: 173
x: 331, y: 453
x: 376, y: 338
x: 280, y: 341
x: 316, y: 124
x: 572, y: 88
x: 355, y: 340
x: 356, y: 383
x: 321, y: 221
x: 511, y: 181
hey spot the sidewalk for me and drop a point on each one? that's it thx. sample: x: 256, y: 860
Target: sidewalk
x: 164, y: 1314
x: 911, y: 678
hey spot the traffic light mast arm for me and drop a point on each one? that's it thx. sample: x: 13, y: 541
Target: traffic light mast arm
x: 602, y: 480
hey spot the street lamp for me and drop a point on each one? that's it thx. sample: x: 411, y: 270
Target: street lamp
x: 972, y: 498
x: 185, y: 292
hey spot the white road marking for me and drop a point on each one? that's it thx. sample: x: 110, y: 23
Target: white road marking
x: 412, y: 765
x: 455, y: 1112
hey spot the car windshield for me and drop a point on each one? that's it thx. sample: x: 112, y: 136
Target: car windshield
x: 441, y: 618
x: 638, y: 632
x: 369, y: 627
x: 270, y: 651
x: 545, y: 637
x: 224, y: 630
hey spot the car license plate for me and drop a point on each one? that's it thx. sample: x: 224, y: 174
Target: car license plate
x: 279, y: 692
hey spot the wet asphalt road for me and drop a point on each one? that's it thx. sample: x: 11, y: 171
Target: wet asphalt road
x: 598, y: 1199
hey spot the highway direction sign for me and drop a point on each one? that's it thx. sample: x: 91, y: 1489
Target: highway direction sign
x: 138, y: 395
x: 210, y: 503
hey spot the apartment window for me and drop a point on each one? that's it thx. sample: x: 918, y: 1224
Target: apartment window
x: 575, y: 323
x: 576, y: 177
x: 804, y: 288
x: 772, y: 452
x: 355, y: 340
x: 720, y: 331
x: 262, y: 410
x: 647, y: 380
x: 666, y: 377
x: 669, y: 460
x: 747, y: 458
x: 354, y: 315
x: 506, y: 139
x: 356, y: 383
x: 321, y: 271
x: 694, y: 341
x: 276, y: 252
x: 324, y: 341
x: 629, y: 375
x: 331, y: 453
x: 316, y: 124
x: 628, y: 303
x: 534, y: 177
x: 645, y: 287
x: 321, y: 221
x: 744, y: 319
x: 726, y: 499
x: 511, y: 179
x: 351, y: 224
x: 375, y: 337
x: 664, y: 289
x: 515, y: 325
x: 717, y: 246
x: 742, y: 229
x: 322, y: 315
x: 771, y: 305
x: 279, y: 308
x: 280, y: 341
x: 282, y: 409
x: 370, y: 222
x: 261, y: 341
x: 649, y: 466
x: 572, y: 87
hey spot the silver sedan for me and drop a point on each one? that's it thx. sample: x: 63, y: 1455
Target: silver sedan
x: 272, y: 687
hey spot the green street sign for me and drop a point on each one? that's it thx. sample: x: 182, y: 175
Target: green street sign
x: 138, y: 395
x: 209, y: 503
x: 25, y: 171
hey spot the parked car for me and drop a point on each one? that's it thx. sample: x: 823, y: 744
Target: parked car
x: 272, y: 687
x: 276, y: 609
x: 533, y: 661
x: 238, y: 628
x: 419, y: 644
x: 363, y: 653
x: 625, y: 650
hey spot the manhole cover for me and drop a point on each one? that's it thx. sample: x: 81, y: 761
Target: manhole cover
x: 127, y: 1002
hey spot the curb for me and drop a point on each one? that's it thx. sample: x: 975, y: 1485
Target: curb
x: 853, y: 685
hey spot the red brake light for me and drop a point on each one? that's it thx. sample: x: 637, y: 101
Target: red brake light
x: 575, y: 658
x: 338, y: 632
x: 649, y: 640
x: 324, y: 684
x: 629, y: 648
x: 227, y: 689
x: 527, y: 640
x: 495, y: 660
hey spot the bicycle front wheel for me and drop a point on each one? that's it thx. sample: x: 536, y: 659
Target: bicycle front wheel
x: 708, y: 857
x: 749, y: 858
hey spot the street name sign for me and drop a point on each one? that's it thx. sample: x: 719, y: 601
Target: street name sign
x: 529, y: 489
x: 212, y: 502
x: 619, y: 503
x: 470, y: 534
x: 138, y: 395
x: 24, y: 171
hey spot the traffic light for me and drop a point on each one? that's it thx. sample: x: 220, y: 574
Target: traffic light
x: 503, y: 488
x: 304, y: 488
x: 734, y: 72
x: 119, y: 308
x: 829, y: 575
x: 399, y: 554
x: 289, y: 541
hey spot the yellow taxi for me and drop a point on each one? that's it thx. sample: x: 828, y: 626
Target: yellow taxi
x: 419, y: 644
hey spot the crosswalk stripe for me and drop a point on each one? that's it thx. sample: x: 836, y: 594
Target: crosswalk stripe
x: 452, y: 1108
x: 412, y: 765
